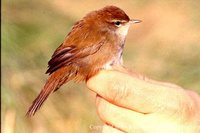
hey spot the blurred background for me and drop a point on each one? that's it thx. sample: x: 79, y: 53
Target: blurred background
x: 164, y: 47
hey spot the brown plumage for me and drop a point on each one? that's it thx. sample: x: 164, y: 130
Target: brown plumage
x: 94, y: 43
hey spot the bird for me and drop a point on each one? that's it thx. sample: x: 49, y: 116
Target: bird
x: 94, y: 43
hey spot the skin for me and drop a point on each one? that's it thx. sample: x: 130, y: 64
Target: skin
x: 128, y: 102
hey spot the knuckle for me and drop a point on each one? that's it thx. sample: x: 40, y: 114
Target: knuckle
x: 184, y: 106
x: 189, y: 106
x: 103, y: 109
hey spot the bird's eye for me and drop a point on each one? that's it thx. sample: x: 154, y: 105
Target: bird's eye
x: 117, y: 23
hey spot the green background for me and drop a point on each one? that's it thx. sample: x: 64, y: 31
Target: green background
x: 164, y: 47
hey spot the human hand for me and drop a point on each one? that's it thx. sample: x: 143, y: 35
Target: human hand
x: 130, y: 103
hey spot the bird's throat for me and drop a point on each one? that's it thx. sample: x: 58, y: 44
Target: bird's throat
x: 122, y: 31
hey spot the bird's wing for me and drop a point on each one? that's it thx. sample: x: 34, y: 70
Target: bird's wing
x: 81, y: 41
x: 65, y: 55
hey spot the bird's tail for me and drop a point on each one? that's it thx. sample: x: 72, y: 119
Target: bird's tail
x: 53, y: 83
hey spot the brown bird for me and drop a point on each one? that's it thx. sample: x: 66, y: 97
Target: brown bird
x: 94, y: 43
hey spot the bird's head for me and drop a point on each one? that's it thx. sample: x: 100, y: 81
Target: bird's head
x: 110, y: 18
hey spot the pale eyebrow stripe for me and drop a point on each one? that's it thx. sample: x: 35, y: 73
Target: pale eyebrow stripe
x: 122, y: 21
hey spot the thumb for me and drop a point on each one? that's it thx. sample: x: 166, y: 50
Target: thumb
x: 135, y: 93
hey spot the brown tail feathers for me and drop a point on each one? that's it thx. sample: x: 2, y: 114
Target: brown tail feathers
x: 53, y: 83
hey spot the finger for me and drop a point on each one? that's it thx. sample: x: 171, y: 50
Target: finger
x: 118, y: 117
x: 110, y: 129
x: 136, y: 94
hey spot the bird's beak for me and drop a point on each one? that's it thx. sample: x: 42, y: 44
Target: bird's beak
x: 133, y: 21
